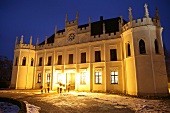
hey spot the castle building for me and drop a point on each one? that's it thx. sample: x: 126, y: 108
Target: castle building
x: 109, y: 55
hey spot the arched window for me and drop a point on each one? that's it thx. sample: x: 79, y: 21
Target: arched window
x: 24, y: 61
x: 142, y: 47
x: 32, y: 61
x: 128, y: 50
x: 16, y: 61
x: 156, y: 47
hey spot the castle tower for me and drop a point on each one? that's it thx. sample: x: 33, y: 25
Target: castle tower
x: 23, y: 66
x: 144, y: 62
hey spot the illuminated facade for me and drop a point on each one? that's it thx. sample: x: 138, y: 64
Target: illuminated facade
x: 109, y: 55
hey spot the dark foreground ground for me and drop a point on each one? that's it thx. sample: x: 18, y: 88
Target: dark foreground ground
x: 82, y: 102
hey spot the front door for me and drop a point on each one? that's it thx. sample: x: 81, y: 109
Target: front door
x: 71, y: 80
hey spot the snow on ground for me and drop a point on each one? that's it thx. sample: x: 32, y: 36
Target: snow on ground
x: 136, y: 104
x: 11, y: 108
x: 32, y: 108
x: 83, y: 101
x: 6, y: 107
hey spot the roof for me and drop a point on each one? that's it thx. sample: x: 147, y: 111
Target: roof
x: 111, y: 26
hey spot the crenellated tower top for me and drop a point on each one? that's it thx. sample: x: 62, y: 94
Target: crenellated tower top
x: 22, y: 45
x: 71, y: 23
x: 144, y: 21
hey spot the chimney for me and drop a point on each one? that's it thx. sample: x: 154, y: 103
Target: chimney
x: 101, y: 18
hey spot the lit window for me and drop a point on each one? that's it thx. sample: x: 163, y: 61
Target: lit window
x: 32, y: 62
x: 98, y: 77
x: 142, y: 47
x: 24, y: 61
x: 39, y: 78
x: 59, y: 77
x: 48, y: 77
x: 114, y: 77
x: 83, y: 78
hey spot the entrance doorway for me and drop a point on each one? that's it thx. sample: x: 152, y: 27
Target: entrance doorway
x: 71, y: 80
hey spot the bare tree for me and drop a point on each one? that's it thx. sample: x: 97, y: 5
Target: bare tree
x: 5, y: 68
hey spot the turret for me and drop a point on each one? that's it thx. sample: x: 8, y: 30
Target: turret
x: 142, y: 41
x: 22, y: 39
x: 120, y: 24
x: 130, y: 16
x: 104, y: 30
x: 71, y: 23
x: 46, y: 40
x: 16, y: 41
x: 146, y: 11
x: 37, y: 42
x: 157, y: 17
x: 30, y: 40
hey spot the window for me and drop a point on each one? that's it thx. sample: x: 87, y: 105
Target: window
x: 113, y: 55
x: 70, y: 59
x: 142, y: 49
x: 98, y: 77
x: 128, y: 50
x: 83, y: 78
x: 48, y: 77
x: 39, y: 78
x: 40, y: 61
x: 59, y: 59
x: 16, y: 61
x: 97, y: 56
x: 114, y: 77
x: 49, y: 61
x: 83, y: 57
x: 156, y: 47
x: 59, y: 78
x: 32, y: 61
x: 24, y: 61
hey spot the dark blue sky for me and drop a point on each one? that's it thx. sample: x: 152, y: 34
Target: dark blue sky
x: 38, y: 18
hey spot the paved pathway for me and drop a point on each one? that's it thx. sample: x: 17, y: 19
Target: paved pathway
x: 74, y: 102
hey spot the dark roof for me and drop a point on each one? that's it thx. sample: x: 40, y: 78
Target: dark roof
x: 111, y: 26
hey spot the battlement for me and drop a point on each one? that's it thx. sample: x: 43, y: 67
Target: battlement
x: 83, y: 30
x: 106, y: 36
x: 47, y: 46
x: 24, y: 46
x: 71, y: 23
x: 39, y: 47
x: 61, y: 34
x: 141, y: 22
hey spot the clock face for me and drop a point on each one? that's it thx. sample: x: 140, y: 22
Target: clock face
x: 71, y: 36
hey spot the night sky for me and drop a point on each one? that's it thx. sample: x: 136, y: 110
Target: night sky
x: 38, y: 18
